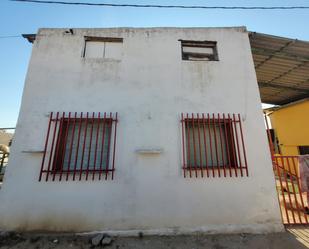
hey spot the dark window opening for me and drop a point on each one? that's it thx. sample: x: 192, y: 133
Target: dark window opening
x: 303, y: 150
x: 199, y: 50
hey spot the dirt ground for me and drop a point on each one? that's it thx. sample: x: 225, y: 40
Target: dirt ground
x: 294, y: 238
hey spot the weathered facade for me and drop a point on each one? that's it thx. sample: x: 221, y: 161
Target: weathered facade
x: 190, y: 153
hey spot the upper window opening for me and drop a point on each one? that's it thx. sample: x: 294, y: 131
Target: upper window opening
x: 199, y: 50
x: 103, y: 47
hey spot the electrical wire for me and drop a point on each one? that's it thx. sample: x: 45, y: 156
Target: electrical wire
x: 10, y: 36
x: 167, y: 6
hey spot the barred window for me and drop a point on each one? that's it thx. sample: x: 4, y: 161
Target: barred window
x: 213, y: 145
x: 80, y: 146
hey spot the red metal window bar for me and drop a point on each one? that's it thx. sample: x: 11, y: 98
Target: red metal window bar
x: 293, y: 199
x: 292, y: 194
x: 213, y: 145
x: 79, y: 146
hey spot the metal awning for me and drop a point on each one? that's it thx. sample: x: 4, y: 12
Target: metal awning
x: 282, y: 68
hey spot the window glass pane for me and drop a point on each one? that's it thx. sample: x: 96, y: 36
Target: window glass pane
x: 91, y: 149
x: 204, y: 50
x: 203, y: 148
x: 113, y: 50
x: 103, y: 49
x: 94, y: 49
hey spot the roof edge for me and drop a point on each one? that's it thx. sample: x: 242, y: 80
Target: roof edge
x: 29, y: 37
x: 252, y: 33
x: 276, y: 108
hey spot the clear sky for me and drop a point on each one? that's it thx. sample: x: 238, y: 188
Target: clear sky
x: 19, y: 18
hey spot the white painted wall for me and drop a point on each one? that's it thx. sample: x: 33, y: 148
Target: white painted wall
x: 149, y: 88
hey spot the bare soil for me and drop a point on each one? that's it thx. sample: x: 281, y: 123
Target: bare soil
x: 294, y: 238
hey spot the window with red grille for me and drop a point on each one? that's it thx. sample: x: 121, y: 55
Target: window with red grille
x: 79, y: 146
x: 213, y: 145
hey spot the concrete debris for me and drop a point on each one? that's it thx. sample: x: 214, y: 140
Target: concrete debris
x: 13, y: 237
x: 4, y: 234
x: 96, y: 240
x: 285, y: 240
x: 34, y: 239
x: 107, y: 240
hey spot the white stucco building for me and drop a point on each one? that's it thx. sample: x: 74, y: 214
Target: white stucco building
x: 189, y: 153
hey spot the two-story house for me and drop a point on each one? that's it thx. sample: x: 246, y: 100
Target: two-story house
x: 158, y: 130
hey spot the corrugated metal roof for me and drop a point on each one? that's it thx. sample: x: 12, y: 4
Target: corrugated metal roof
x: 282, y: 68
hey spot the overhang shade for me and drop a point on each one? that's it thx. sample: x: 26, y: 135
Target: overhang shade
x: 282, y: 68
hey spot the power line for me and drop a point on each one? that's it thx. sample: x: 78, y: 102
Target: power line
x: 167, y: 6
x: 17, y: 36
x: 10, y: 36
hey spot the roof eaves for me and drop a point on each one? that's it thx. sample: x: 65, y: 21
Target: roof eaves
x: 29, y: 37
x: 287, y: 105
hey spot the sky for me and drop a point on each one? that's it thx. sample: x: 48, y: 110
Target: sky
x: 23, y: 18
